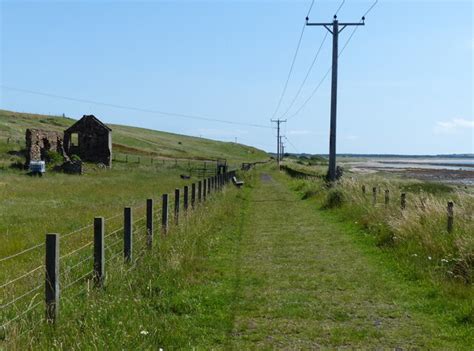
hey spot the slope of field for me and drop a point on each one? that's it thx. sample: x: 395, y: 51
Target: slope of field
x: 132, y: 140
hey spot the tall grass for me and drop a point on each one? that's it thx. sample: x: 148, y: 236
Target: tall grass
x: 141, y: 301
x: 418, y: 232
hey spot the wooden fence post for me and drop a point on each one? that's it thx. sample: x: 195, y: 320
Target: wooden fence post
x: 52, y: 277
x: 450, y: 216
x: 127, y: 234
x: 193, y: 194
x: 185, y: 198
x: 374, y: 195
x: 176, y: 206
x: 204, y: 191
x: 149, y: 223
x: 99, y: 252
x: 387, y: 197
x: 208, y: 185
x: 199, y: 191
x: 164, y: 214
x: 403, y: 201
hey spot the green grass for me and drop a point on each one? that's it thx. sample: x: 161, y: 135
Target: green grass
x: 133, y: 140
x: 260, y: 268
x: 60, y: 203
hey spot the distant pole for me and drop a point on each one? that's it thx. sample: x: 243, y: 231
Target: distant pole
x: 335, y: 54
x: 278, y: 122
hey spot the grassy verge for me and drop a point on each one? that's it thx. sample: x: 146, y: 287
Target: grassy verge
x: 178, y: 295
x: 414, y: 242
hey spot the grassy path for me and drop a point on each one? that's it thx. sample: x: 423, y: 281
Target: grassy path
x: 303, y: 283
x: 257, y: 268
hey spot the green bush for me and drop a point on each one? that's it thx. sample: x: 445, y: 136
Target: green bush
x: 75, y: 158
x: 54, y: 158
x: 334, y: 199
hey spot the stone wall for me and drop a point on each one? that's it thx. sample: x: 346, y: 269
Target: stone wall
x: 39, y: 142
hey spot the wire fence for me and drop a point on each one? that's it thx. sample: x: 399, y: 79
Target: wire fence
x: 23, y: 294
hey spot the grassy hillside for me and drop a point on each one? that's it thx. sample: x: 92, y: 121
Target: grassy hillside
x: 66, y: 204
x: 132, y: 140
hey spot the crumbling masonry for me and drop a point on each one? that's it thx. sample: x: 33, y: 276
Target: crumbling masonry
x: 88, y: 138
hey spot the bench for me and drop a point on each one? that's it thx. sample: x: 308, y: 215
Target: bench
x: 237, y: 183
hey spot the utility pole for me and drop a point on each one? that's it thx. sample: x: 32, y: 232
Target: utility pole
x: 278, y: 122
x: 336, y: 29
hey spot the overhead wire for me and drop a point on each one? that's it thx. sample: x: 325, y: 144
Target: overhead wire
x: 329, y: 70
x: 132, y: 108
x: 306, y: 76
x: 292, y: 62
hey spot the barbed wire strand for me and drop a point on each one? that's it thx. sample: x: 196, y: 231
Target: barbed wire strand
x: 4, y: 325
x: 78, y: 279
x: 21, y: 277
x: 21, y: 296
x: 76, y: 250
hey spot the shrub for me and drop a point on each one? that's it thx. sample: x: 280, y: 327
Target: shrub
x: 54, y: 158
x: 75, y: 158
x: 334, y: 199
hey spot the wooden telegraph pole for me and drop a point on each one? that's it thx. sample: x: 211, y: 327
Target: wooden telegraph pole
x: 336, y: 29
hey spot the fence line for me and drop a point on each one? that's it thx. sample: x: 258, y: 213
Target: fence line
x: 22, y: 276
x: 11, y: 302
x: 142, y: 243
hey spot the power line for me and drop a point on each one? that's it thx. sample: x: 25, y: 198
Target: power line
x: 335, y: 28
x: 306, y: 77
x: 292, y: 62
x: 370, y: 8
x: 340, y: 7
x: 132, y: 108
x: 293, y: 146
x: 329, y: 69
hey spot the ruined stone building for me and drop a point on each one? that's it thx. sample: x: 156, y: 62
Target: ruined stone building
x: 39, y: 142
x: 88, y: 138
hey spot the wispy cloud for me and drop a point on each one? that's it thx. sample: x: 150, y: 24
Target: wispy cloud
x: 455, y: 125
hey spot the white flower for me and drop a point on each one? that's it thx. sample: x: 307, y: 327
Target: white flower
x: 444, y: 260
x: 144, y: 332
x: 429, y: 257
x: 415, y: 255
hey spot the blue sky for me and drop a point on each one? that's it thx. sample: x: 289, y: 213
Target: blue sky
x: 405, y: 79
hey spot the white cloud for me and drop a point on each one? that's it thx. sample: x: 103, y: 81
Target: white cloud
x: 453, y: 126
